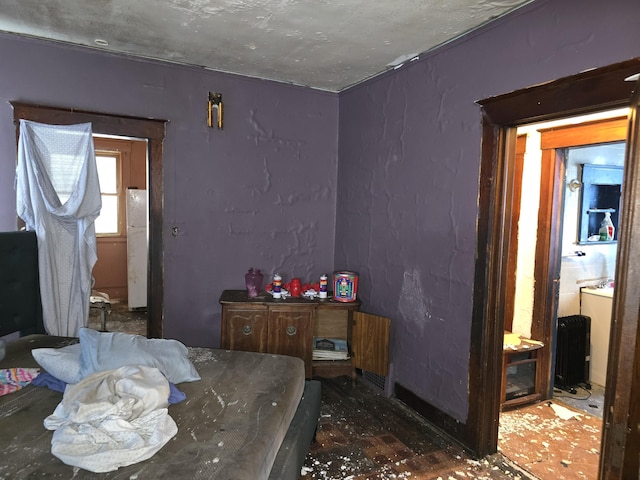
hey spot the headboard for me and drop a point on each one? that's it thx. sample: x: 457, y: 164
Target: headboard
x: 20, y: 306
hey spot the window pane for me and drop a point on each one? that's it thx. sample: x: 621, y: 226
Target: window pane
x: 107, y: 172
x: 63, y: 172
x: 107, y: 222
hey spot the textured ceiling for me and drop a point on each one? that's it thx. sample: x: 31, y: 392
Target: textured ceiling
x: 324, y: 44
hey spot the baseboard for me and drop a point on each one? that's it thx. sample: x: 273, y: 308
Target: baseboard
x: 448, y: 426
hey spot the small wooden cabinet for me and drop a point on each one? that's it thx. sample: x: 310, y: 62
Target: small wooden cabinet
x: 520, y: 382
x: 288, y: 327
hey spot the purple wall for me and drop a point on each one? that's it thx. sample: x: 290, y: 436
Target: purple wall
x: 259, y: 193
x: 262, y: 192
x: 409, y: 152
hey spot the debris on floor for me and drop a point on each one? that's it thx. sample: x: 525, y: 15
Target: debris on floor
x: 363, y: 435
x: 563, y: 412
x: 551, y: 441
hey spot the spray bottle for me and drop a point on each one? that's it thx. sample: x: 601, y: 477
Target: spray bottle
x: 607, y: 229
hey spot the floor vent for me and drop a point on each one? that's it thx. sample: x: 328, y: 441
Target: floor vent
x: 375, y: 380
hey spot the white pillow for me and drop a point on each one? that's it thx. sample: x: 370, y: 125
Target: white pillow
x: 63, y: 363
x: 110, y: 350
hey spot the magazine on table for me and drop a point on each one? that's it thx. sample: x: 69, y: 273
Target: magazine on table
x: 330, y: 349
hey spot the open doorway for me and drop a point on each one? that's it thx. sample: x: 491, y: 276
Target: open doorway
x: 586, y: 92
x: 120, y: 273
x: 584, y: 151
x: 153, y: 132
x: 587, y: 153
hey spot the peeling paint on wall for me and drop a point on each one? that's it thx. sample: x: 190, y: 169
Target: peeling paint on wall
x: 413, y: 304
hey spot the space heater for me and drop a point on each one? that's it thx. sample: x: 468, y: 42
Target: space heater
x: 573, y: 350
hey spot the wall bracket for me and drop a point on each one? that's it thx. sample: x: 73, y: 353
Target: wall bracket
x: 215, y: 102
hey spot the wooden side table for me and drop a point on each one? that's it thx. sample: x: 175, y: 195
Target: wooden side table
x: 286, y: 326
x: 520, y: 372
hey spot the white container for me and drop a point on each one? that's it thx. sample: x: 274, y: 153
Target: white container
x: 323, y: 286
x: 607, y: 230
x: 277, y: 285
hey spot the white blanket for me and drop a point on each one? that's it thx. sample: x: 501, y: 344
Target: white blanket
x: 58, y: 197
x: 112, y: 419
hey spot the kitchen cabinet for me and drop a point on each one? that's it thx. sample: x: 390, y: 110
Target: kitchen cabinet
x: 597, y: 304
x: 289, y: 326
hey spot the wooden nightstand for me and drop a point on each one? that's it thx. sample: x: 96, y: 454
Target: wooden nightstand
x: 288, y: 327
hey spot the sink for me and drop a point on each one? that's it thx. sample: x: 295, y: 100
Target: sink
x: 603, y: 292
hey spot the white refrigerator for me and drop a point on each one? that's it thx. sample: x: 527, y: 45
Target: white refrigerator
x: 137, y: 248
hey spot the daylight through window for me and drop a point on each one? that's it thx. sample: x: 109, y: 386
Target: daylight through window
x: 108, y: 167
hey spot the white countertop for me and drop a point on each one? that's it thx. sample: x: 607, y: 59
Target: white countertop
x: 602, y: 292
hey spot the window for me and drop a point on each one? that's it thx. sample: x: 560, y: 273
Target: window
x: 109, y: 221
x: 63, y: 172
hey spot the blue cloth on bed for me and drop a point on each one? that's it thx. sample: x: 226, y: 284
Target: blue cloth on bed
x: 47, y: 380
x: 175, y: 395
x: 52, y: 383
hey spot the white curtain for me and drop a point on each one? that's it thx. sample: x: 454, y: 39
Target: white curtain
x: 58, y: 196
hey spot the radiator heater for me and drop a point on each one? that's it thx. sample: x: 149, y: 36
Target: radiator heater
x: 573, y: 350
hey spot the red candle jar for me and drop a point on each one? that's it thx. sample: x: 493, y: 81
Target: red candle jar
x: 295, y: 287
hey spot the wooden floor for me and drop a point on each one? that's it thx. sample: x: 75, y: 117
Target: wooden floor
x: 557, y: 439
x: 552, y: 441
x: 363, y: 435
x: 119, y: 319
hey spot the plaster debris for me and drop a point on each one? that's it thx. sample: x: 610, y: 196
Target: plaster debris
x: 563, y: 412
x: 551, y: 442
x: 363, y: 435
x: 399, y: 61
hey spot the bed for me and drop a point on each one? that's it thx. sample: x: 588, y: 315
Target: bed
x: 250, y: 416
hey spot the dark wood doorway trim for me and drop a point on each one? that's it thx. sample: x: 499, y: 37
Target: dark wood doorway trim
x: 509, y: 309
x: 153, y: 131
x: 621, y: 435
x: 588, y: 92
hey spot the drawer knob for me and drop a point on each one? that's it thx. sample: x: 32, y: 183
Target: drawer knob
x: 247, y: 330
x: 291, y: 330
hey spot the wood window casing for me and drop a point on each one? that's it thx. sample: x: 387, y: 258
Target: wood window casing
x: 121, y: 227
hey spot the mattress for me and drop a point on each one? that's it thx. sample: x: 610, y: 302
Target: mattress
x: 230, y: 426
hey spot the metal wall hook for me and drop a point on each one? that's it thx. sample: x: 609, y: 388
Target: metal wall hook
x: 215, y: 101
x: 574, y: 185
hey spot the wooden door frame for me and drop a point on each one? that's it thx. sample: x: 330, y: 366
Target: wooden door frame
x: 512, y: 258
x: 621, y: 435
x: 547, y: 263
x: 151, y: 130
x: 595, y: 90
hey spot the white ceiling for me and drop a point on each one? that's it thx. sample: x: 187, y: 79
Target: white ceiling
x: 323, y: 44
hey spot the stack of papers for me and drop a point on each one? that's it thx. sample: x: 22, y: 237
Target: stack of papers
x: 330, y: 349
